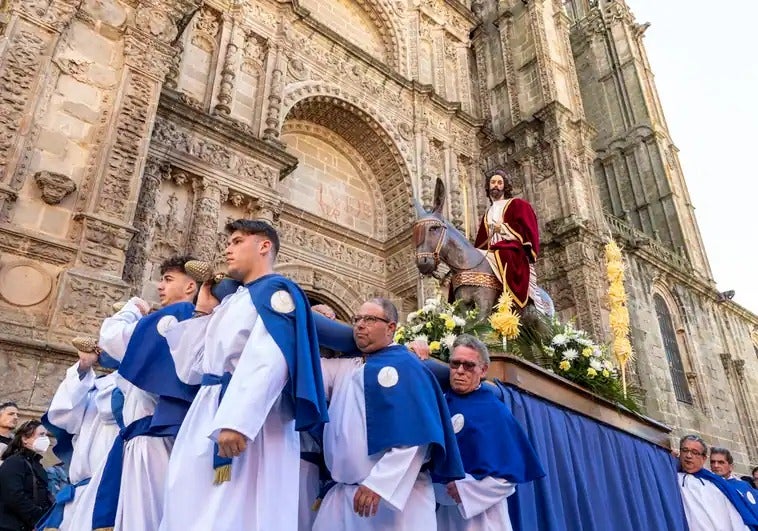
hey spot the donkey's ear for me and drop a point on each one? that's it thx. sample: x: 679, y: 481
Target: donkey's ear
x: 420, y: 210
x: 439, y: 196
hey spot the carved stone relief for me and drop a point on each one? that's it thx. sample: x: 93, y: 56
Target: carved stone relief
x: 54, y: 186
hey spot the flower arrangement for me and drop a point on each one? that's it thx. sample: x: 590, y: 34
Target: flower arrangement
x: 619, y: 314
x: 558, y: 347
x: 576, y: 357
x: 438, y: 323
x: 504, y: 321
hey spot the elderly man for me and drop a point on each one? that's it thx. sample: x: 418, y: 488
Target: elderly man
x: 495, y: 450
x: 710, y: 502
x: 389, y: 428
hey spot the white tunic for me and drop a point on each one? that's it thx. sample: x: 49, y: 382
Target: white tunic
x: 140, y: 501
x: 309, y: 484
x: 706, y: 508
x: 262, y: 494
x: 407, y: 496
x: 82, y: 407
x: 483, y: 507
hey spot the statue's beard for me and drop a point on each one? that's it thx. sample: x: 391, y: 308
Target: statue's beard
x: 496, y: 194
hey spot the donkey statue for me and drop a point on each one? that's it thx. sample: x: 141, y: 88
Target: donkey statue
x: 473, y: 280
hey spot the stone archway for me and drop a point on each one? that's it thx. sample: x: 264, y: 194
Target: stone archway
x: 324, y: 286
x: 347, y: 207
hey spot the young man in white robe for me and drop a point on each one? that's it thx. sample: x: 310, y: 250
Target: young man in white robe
x: 389, y: 430
x: 710, y: 502
x: 495, y: 451
x: 236, y: 460
x: 140, y: 490
x: 84, y: 416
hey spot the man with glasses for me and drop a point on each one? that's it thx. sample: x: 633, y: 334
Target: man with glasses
x: 710, y: 502
x: 8, y: 423
x: 389, y: 431
x: 495, y: 451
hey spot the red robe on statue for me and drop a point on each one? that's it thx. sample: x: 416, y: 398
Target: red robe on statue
x: 516, y: 245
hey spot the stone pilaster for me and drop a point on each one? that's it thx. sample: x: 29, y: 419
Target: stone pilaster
x: 209, y: 196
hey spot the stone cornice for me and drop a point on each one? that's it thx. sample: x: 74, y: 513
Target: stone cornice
x: 332, y: 230
x: 23, y: 242
x: 225, y: 132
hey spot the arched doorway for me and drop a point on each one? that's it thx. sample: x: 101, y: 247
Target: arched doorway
x: 347, y: 206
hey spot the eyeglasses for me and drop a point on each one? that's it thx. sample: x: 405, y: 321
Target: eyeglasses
x: 468, y: 366
x: 691, y: 451
x: 368, y: 319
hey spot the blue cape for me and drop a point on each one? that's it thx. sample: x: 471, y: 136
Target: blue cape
x: 289, y: 321
x: 491, y: 441
x: 748, y: 511
x: 410, y: 411
x: 148, y: 365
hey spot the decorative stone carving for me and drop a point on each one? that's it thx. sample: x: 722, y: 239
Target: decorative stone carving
x: 54, y: 186
x: 205, y: 220
x: 24, y: 284
x: 228, y: 73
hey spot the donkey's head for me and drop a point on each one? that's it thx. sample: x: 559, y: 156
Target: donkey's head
x: 430, y: 232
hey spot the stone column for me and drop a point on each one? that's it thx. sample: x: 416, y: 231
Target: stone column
x: 144, y: 219
x: 229, y: 69
x: 203, y: 234
x: 268, y: 209
x: 275, y: 90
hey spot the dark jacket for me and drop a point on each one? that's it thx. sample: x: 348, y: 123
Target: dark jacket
x: 24, y: 497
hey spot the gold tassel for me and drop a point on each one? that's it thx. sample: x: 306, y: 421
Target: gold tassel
x: 51, y: 529
x: 104, y: 529
x: 221, y: 475
x: 316, y: 505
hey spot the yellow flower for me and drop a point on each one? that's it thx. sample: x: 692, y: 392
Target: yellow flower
x: 398, y: 336
x: 622, y: 349
x: 435, y: 346
x: 615, y: 271
x: 591, y: 372
x: 617, y: 293
x: 505, y: 301
x: 429, y: 326
x: 605, y: 373
x: 506, y: 323
x: 587, y: 352
x: 449, y: 322
x: 612, y: 251
x: 565, y: 365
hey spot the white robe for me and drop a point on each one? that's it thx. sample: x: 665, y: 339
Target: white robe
x: 407, y: 496
x: 483, y: 507
x: 309, y: 484
x: 82, y: 407
x: 706, y: 508
x: 143, y: 475
x: 263, y: 493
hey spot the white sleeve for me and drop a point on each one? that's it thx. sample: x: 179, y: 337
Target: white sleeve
x: 117, y: 330
x: 70, y: 401
x: 186, y: 341
x: 257, y: 382
x: 479, y: 495
x: 393, y: 476
x: 334, y: 369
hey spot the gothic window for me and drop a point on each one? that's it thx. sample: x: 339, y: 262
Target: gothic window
x: 671, y: 346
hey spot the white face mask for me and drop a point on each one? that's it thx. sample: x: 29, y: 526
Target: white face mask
x: 41, y: 444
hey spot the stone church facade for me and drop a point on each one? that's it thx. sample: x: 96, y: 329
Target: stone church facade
x: 134, y: 129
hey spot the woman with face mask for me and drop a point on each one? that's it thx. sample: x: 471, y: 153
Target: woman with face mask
x: 24, y: 497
